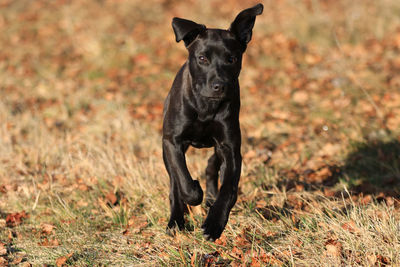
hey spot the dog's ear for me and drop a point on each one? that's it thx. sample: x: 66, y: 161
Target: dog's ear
x: 186, y: 30
x: 243, y: 24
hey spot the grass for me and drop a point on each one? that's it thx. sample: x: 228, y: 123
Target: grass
x: 81, y: 92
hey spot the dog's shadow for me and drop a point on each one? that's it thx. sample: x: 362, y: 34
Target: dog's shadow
x: 373, y: 168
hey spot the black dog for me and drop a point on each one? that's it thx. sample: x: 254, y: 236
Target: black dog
x: 202, y: 110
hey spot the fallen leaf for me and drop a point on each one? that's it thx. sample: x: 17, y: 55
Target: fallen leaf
x: 221, y: 240
x: 139, y: 227
x: 250, y: 155
x: 324, y: 173
x: 3, y: 249
x: 300, y: 97
x: 389, y: 201
x: 383, y: 260
x: 333, y: 248
x: 312, y: 59
x: 17, y: 260
x: 270, y: 260
x: 3, y: 261
x: 47, y: 228
x: 329, y: 149
x: 62, y: 260
x: 237, y: 253
x: 371, y: 258
x: 255, y: 262
x: 49, y: 243
x: 14, y: 219
x: 111, y: 198
x: 295, y: 202
x: 351, y: 226
x: 83, y: 187
x: 241, y: 241
x: 11, y: 235
x: 366, y: 199
x: 328, y: 192
x: 125, y: 232
x: 299, y: 187
x: 210, y: 259
x: 298, y: 243
x: 261, y: 203
x: 82, y: 203
x: 270, y: 234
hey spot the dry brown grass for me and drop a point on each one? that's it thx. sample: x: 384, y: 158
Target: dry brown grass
x: 81, y: 91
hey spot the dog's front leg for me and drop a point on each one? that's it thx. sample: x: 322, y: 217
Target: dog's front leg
x: 174, y: 159
x: 218, y: 214
x: 183, y: 190
x: 177, y: 206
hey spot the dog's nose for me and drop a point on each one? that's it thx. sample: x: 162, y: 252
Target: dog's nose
x: 218, y: 87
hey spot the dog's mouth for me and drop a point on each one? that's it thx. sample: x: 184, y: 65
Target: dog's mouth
x: 213, y: 97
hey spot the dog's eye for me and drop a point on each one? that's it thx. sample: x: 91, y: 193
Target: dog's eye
x: 232, y: 59
x: 203, y: 59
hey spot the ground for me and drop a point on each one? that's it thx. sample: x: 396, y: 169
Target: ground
x: 82, y: 181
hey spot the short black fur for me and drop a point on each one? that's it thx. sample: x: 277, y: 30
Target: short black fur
x: 202, y: 110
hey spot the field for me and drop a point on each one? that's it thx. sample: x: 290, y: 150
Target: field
x: 82, y: 181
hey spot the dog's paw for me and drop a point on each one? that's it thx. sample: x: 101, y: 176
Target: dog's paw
x: 213, y: 227
x: 174, y: 226
x: 193, y: 196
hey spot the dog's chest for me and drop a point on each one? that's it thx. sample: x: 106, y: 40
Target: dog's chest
x: 201, y: 134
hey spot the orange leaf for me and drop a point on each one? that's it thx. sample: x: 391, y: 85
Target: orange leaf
x: 49, y: 243
x: 62, y: 260
x: 3, y: 262
x: 351, y: 227
x: 383, y: 260
x: 333, y: 248
x: 14, y: 219
x: 47, y: 228
x: 221, y: 240
x: 139, y: 227
x: 111, y: 198
x: 17, y: 260
x: 3, y: 249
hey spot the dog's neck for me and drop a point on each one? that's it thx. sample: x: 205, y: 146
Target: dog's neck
x: 207, y: 109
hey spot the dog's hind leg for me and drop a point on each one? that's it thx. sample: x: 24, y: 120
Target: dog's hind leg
x: 212, y: 170
x: 231, y: 162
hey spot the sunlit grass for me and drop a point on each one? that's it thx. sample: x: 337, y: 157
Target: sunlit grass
x: 81, y: 92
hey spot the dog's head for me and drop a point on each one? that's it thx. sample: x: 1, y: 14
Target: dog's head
x: 215, y: 55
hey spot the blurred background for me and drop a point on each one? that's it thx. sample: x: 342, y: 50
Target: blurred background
x: 62, y: 58
x: 82, y: 84
x: 80, y: 53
